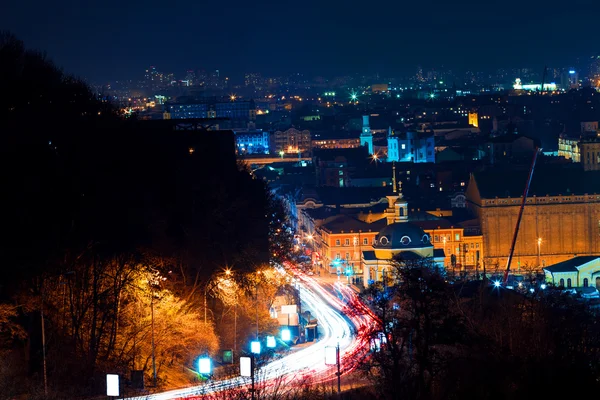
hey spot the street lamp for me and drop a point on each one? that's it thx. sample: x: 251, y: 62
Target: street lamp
x: 254, y: 351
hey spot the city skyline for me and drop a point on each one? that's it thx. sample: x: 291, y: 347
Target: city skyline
x: 117, y: 42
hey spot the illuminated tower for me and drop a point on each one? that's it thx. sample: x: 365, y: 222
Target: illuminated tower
x: 366, y: 137
x: 393, y: 149
x: 397, y: 210
x: 474, y: 119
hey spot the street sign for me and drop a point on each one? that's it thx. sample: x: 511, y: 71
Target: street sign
x: 227, y: 356
x: 289, y: 309
x: 112, y: 385
x: 245, y: 366
x: 330, y: 355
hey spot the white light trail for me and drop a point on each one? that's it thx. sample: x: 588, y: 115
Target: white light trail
x: 308, y: 360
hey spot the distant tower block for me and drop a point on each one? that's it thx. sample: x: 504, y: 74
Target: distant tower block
x: 474, y: 119
x: 366, y: 138
x: 393, y: 146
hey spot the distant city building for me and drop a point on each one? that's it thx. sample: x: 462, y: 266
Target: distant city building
x: 568, y: 147
x: 254, y: 141
x: 291, y: 141
x: 366, y: 136
x: 584, y: 148
x: 590, y: 153
x: 238, y: 112
x: 336, y: 143
x: 518, y: 85
x: 380, y: 87
x: 418, y: 147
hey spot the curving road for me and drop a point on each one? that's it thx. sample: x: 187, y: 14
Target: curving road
x: 327, y: 303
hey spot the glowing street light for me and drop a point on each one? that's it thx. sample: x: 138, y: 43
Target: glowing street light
x: 496, y: 283
x: 271, y: 342
x: 286, y: 335
x: 255, y: 347
x: 281, y: 153
x: 204, y: 366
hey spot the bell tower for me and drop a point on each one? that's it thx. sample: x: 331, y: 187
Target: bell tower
x: 366, y: 137
x: 397, y: 210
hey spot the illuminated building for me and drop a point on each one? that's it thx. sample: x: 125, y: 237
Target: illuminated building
x: 380, y: 87
x: 578, y: 272
x: 474, y: 119
x: 254, y: 141
x: 590, y: 153
x: 336, y: 143
x: 366, y: 136
x: 291, y: 141
x: 568, y: 147
x: 238, y: 112
x: 399, y: 238
x: 418, y: 147
x: 550, y: 87
x: 562, y: 209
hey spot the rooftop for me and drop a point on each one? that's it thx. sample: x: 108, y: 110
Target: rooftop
x: 570, y: 265
x: 545, y: 182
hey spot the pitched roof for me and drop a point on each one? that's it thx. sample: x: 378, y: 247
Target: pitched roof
x: 345, y: 223
x: 545, y: 181
x: 570, y: 265
x: 434, y: 224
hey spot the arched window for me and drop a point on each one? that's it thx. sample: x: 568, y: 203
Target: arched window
x: 585, y: 282
x: 561, y: 282
x: 568, y: 282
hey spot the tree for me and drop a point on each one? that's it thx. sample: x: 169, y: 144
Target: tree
x: 416, y: 330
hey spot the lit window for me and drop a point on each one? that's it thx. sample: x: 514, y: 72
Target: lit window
x: 403, y: 146
x: 347, y: 242
x: 462, y: 184
x: 457, y: 237
x: 365, y: 241
x: 337, y: 242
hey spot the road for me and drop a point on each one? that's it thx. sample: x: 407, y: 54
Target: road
x: 326, y: 302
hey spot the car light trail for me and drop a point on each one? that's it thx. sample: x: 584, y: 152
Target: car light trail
x: 352, y: 332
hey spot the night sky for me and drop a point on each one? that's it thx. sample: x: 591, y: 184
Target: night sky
x: 107, y: 40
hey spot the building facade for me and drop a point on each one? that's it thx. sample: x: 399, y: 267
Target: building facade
x: 291, y: 141
x: 254, y: 141
x: 568, y: 147
x: 590, y: 153
x: 417, y: 147
x: 561, y: 218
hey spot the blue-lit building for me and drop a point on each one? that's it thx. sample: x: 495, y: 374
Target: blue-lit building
x: 418, y: 147
x: 238, y: 112
x: 185, y: 111
x: 251, y: 141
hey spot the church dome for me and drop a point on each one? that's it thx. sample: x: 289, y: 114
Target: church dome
x: 402, y: 235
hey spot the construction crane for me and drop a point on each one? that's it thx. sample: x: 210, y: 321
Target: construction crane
x: 520, y: 216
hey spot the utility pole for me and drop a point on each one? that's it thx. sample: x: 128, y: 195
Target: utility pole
x: 44, y: 343
x: 253, y: 366
x: 152, y: 327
